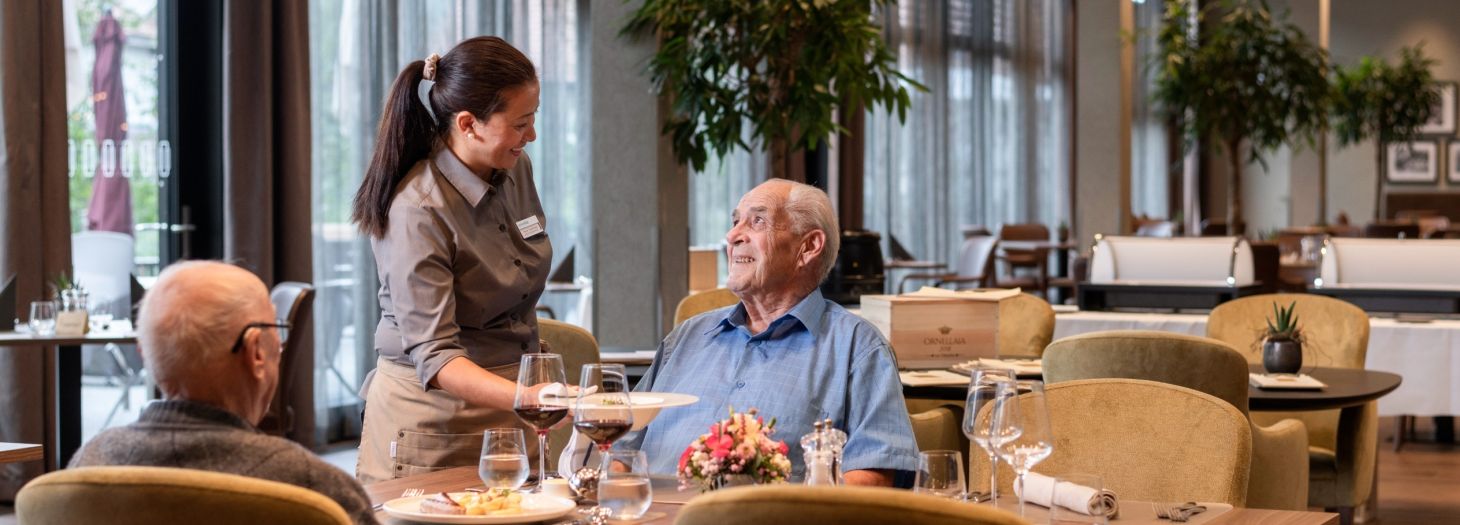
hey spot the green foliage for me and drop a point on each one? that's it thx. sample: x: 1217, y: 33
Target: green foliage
x: 1388, y: 102
x: 1283, y: 324
x: 780, y: 66
x: 1247, y: 76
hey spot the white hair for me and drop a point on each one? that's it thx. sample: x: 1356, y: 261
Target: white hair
x: 810, y: 209
x: 189, y: 319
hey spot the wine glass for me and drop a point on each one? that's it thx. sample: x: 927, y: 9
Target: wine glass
x: 504, y: 459
x: 983, y: 394
x: 625, y: 489
x: 603, y: 411
x: 539, y: 407
x: 1026, y: 417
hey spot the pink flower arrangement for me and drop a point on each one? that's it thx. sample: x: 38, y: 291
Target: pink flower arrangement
x: 739, y: 445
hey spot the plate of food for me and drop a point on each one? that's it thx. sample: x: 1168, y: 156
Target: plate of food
x: 648, y: 404
x: 485, y: 507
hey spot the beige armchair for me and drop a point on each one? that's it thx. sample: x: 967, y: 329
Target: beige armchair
x: 805, y: 505
x: 1279, y: 452
x: 578, y: 347
x: 151, y: 495
x: 1148, y: 441
x: 701, y: 302
x: 1341, y: 455
x: 939, y: 428
x: 1026, y: 325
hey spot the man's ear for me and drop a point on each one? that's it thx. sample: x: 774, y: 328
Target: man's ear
x: 256, y: 360
x: 812, y: 244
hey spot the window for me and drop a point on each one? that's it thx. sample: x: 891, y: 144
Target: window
x: 1150, y: 163
x: 714, y: 193
x: 356, y: 50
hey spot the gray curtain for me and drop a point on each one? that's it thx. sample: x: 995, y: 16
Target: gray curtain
x: 34, y: 210
x: 266, y: 162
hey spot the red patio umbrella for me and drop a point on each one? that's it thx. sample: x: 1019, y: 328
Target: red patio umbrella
x: 111, y: 196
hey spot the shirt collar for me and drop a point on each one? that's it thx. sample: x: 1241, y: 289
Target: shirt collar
x: 191, y: 412
x: 471, y: 186
x: 809, y: 313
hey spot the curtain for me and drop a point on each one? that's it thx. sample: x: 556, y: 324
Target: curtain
x: 266, y: 163
x: 1150, y: 166
x: 357, y: 48
x: 714, y: 193
x: 989, y: 143
x: 34, y: 208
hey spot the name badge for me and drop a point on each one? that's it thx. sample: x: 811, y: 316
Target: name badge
x: 529, y: 227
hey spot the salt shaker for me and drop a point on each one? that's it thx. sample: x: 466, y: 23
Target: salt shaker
x: 822, y: 450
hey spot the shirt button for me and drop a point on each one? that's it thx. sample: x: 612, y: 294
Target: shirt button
x: 517, y: 262
x: 739, y: 384
x: 501, y: 227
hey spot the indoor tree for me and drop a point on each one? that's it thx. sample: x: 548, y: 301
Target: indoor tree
x: 1239, y: 76
x: 1385, y: 102
x: 780, y: 67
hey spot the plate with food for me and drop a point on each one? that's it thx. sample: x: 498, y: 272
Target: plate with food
x: 484, y: 507
x: 646, y: 404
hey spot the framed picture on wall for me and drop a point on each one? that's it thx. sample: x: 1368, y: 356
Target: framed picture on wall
x: 1442, y: 120
x: 1454, y: 169
x: 1413, y: 162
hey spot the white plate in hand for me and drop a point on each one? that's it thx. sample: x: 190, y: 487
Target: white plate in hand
x: 535, y: 507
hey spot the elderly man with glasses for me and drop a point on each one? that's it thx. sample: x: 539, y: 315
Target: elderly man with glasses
x: 210, y: 339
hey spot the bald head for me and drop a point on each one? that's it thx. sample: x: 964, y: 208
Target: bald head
x: 188, y: 323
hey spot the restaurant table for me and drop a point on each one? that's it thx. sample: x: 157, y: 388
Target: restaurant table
x: 61, y: 383
x: 1425, y: 352
x: 667, y: 504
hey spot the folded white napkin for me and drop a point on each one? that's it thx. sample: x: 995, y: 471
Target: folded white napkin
x: 1039, y: 488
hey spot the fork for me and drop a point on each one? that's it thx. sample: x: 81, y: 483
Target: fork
x: 408, y: 493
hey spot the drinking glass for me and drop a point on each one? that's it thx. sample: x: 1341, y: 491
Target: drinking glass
x: 983, y: 394
x: 504, y: 458
x: 1026, y: 419
x: 625, y: 489
x: 538, y: 408
x: 42, y: 318
x: 603, y: 412
x: 940, y: 473
x: 1071, y: 489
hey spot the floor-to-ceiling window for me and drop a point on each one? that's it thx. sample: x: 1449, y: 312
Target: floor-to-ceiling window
x: 357, y: 47
x: 989, y: 143
x: 1150, y: 161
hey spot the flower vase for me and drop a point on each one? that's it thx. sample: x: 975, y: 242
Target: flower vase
x: 1282, y: 356
x: 732, y: 480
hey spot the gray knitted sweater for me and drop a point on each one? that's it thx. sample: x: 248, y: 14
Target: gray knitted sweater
x: 185, y: 434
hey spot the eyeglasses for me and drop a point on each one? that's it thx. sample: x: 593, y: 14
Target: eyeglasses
x: 280, y: 324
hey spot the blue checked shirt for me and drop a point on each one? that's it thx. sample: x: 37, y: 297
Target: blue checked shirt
x: 816, y: 362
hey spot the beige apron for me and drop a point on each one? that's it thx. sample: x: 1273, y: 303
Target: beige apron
x: 411, y: 431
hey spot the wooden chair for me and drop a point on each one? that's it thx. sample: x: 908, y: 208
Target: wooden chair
x: 1036, y: 260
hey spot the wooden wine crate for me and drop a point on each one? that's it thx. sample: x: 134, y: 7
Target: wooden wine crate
x: 934, y: 332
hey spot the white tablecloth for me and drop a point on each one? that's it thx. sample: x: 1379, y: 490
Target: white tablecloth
x: 1426, y: 355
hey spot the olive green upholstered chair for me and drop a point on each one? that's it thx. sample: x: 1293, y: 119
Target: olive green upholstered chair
x: 1148, y: 441
x: 1336, y: 334
x: 846, y: 505
x: 1279, y: 452
x: 578, y: 348
x: 152, y: 495
x: 1026, y: 325
x: 701, y: 302
x: 939, y: 428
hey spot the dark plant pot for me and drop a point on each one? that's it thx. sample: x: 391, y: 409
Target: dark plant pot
x: 1282, y: 356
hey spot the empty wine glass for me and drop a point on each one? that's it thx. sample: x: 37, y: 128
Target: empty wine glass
x: 940, y: 473
x: 625, y: 489
x: 540, y: 407
x: 1026, y: 417
x: 504, y: 459
x: 983, y: 393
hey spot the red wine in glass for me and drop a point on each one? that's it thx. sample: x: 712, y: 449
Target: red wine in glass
x: 541, y: 417
x: 603, y: 432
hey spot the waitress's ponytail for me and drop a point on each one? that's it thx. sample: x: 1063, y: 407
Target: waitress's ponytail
x: 405, y: 135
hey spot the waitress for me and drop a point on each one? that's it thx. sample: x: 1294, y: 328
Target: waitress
x: 462, y: 253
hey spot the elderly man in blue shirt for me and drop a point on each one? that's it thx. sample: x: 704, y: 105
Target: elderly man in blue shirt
x: 784, y: 349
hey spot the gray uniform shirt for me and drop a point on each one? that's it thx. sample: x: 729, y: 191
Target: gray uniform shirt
x: 458, y: 277
x: 185, y: 434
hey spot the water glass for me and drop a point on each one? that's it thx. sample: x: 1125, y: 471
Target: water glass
x: 1072, y: 489
x: 940, y: 473
x: 983, y: 395
x: 624, y: 487
x: 43, y: 318
x: 504, y: 459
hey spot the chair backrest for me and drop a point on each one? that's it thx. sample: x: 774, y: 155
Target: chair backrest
x: 1149, y: 441
x: 1032, y: 231
x: 151, y: 495
x: 975, y: 258
x: 1391, y: 230
x: 847, y: 505
x: 938, y: 429
x: 102, y: 262
x: 701, y: 302
x: 578, y: 347
x: 1182, y: 261
x: 293, y: 302
x: 1205, y: 365
x: 1026, y: 324
x: 1335, y: 332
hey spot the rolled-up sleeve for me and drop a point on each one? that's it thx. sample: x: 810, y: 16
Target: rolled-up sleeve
x: 414, y: 259
x: 879, y: 431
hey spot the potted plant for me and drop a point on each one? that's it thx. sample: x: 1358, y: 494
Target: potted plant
x: 1282, y: 344
x: 1246, y: 78
x: 781, y: 67
x: 1385, y: 102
